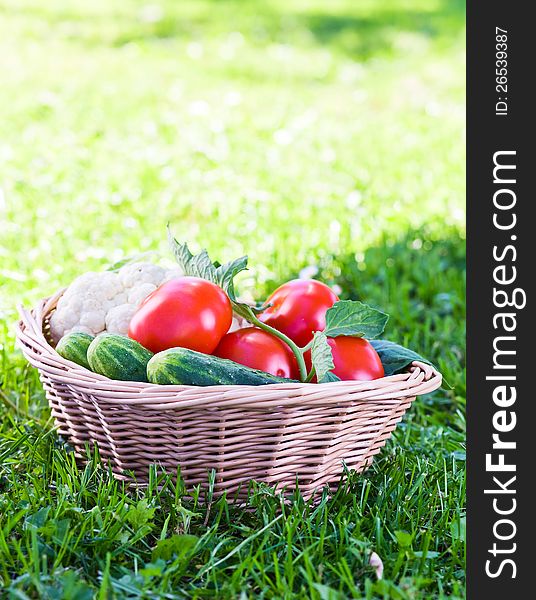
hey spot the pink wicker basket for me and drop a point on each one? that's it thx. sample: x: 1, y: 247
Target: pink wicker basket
x: 278, y: 434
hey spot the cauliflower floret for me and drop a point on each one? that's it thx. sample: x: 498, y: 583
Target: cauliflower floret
x: 136, y: 273
x: 82, y: 304
x: 71, y: 302
x: 91, y: 304
x: 118, y: 318
x: 62, y: 320
x: 139, y: 292
x: 103, y: 286
x: 173, y: 274
x: 93, y: 320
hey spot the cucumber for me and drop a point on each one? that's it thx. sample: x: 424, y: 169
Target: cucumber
x: 73, y: 346
x: 118, y: 357
x: 180, y: 366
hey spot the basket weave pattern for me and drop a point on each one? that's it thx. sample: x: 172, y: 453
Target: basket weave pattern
x: 275, y: 433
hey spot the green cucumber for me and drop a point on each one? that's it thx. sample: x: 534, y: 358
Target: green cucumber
x: 73, y: 346
x: 118, y: 357
x: 180, y: 366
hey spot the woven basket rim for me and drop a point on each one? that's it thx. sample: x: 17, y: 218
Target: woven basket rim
x: 420, y: 378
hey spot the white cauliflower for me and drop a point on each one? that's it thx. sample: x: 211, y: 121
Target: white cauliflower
x: 136, y: 273
x: 118, y: 318
x: 173, y: 274
x: 94, y: 320
x: 97, y: 302
x: 138, y: 293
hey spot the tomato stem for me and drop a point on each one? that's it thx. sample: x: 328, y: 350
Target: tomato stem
x: 307, y: 346
x: 296, y: 350
x: 310, y: 376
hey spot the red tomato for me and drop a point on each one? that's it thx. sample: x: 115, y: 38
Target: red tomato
x: 189, y: 312
x: 299, y: 309
x: 355, y: 358
x: 259, y: 349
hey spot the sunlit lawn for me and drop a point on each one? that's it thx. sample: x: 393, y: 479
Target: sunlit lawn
x: 300, y: 133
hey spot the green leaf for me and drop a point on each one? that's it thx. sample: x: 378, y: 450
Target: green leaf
x: 153, y: 569
x: 321, y: 357
x: 329, y: 377
x: 457, y: 530
x: 395, y: 358
x: 356, y: 319
x: 430, y: 554
x: 200, y: 265
x: 175, y: 546
x: 37, y: 519
x: 226, y: 273
x: 404, y: 539
x: 140, y: 514
x: 181, y: 252
x: 328, y: 593
x: 67, y: 585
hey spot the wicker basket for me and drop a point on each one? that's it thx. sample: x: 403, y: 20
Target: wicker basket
x: 278, y: 434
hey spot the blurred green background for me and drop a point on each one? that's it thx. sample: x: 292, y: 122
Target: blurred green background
x: 286, y: 130
x: 302, y: 133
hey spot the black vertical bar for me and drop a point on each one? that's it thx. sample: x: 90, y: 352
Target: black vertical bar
x: 499, y: 126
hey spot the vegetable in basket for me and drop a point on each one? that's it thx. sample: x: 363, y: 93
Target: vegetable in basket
x: 298, y: 309
x: 180, y: 366
x: 73, y: 347
x: 96, y: 302
x: 189, y: 312
x: 260, y: 350
x: 355, y: 358
x: 118, y: 357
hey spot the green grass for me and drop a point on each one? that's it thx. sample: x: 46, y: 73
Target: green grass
x: 300, y: 133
